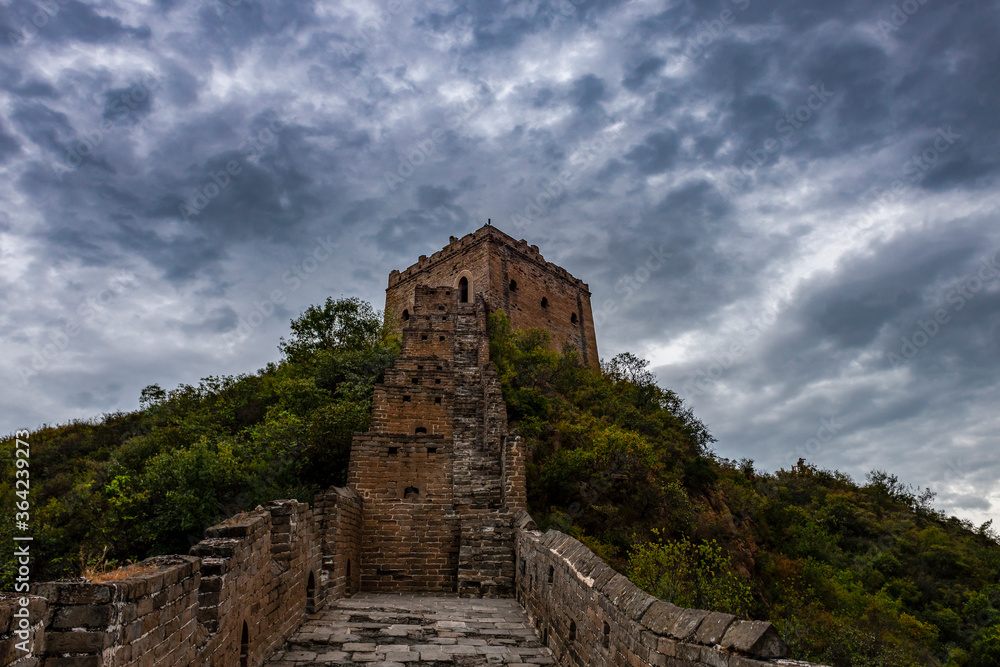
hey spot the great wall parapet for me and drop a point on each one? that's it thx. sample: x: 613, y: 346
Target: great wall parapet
x: 588, y: 614
x: 239, y: 595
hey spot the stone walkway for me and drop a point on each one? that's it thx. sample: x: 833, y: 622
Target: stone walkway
x: 395, y: 630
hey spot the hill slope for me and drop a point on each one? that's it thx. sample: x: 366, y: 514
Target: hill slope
x: 853, y: 574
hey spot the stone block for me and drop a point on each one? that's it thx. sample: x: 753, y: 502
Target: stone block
x: 687, y: 623
x: 755, y: 638
x: 712, y: 629
x: 73, y: 642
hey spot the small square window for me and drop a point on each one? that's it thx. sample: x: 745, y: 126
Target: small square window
x: 437, y: 399
x: 423, y: 337
x: 439, y: 337
x: 437, y: 380
x: 406, y: 399
x: 394, y: 450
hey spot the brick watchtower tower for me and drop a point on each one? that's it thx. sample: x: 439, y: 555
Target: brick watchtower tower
x: 510, y: 275
x: 439, y: 477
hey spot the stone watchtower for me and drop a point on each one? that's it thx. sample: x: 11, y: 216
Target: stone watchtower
x: 510, y: 275
x: 439, y: 477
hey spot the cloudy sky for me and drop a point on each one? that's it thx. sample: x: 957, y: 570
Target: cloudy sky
x: 789, y: 207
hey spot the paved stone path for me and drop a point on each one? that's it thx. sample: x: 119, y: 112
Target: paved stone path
x: 396, y: 630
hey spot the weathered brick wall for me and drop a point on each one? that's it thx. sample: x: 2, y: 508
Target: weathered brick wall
x: 21, y: 627
x: 541, y: 295
x: 510, y: 275
x: 486, y: 564
x: 149, y: 611
x: 515, y: 483
x: 430, y: 470
x: 239, y: 595
x: 340, y: 512
x: 590, y: 615
x: 467, y: 256
x: 410, y: 530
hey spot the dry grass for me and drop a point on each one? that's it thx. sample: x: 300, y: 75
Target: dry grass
x: 98, y: 576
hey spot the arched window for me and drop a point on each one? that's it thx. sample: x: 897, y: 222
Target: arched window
x: 245, y: 646
x: 607, y: 635
x: 406, y: 315
x: 463, y: 290
x: 572, y: 631
x: 513, y: 285
x: 572, y: 318
x: 545, y: 302
x: 419, y: 430
x: 311, y: 594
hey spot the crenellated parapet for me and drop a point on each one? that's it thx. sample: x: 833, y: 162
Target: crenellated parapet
x: 232, y: 602
x: 589, y: 614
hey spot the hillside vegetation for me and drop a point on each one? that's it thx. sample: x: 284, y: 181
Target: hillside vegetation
x: 854, y: 575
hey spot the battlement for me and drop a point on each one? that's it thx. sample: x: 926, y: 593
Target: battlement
x: 458, y: 246
x: 234, y: 600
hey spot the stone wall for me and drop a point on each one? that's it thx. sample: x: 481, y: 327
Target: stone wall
x: 237, y: 597
x: 21, y: 625
x: 430, y: 469
x: 340, y: 512
x: 590, y: 615
x: 510, y: 275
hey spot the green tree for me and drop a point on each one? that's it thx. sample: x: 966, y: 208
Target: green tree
x: 338, y: 324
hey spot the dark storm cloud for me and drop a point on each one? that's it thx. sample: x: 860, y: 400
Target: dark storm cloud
x: 587, y: 91
x: 656, y: 154
x: 638, y: 75
x: 8, y: 145
x: 606, y: 133
x: 127, y: 105
x: 66, y: 20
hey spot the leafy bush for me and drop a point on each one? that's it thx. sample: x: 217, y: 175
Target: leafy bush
x: 698, y: 576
